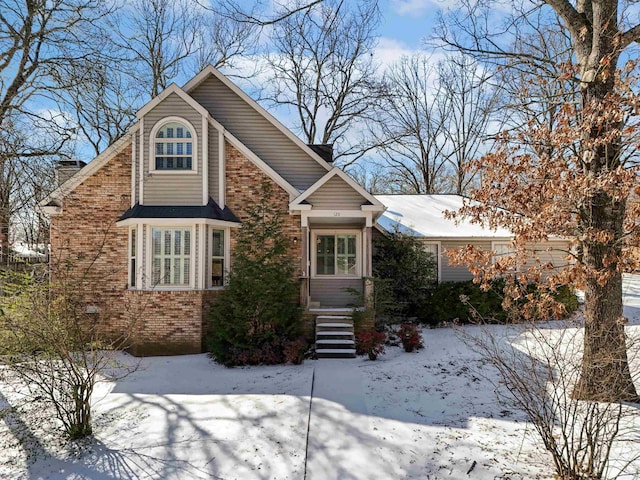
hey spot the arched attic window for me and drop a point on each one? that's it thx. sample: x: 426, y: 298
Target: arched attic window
x: 174, y: 146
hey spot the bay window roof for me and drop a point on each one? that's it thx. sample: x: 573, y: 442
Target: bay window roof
x: 211, y: 211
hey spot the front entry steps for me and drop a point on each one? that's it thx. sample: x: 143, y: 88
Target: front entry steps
x: 334, y: 333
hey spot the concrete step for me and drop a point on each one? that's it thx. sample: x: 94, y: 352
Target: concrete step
x: 330, y: 341
x: 331, y: 311
x: 336, y: 353
x: 320, y: 340
x: 333, y: 318
x: 333, y: 333
x: 343, y: 327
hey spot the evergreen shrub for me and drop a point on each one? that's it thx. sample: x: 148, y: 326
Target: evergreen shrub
x: 257, y: 316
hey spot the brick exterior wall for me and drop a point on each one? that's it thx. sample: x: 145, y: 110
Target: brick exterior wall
x: 86, y: 244
x: 84, y: 235
x: 84, y: 238
x: 243, y: 183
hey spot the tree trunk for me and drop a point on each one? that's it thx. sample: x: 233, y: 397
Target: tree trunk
x: 605, y: 374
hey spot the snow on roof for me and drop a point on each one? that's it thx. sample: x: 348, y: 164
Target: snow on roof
x: 423, y: 216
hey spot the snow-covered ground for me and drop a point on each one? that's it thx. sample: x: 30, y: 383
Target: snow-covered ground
x: 426, y: 415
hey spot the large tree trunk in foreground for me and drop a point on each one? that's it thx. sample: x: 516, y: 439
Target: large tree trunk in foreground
x: 605, y: 367
x: 605, y: 372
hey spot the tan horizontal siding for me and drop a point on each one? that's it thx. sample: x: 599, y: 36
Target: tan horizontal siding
x: 331, y: 292
x: 553, y: 252
x: 173, y: 188
x: 454, y: 273
x: 336, y: 194
x: 258, y: 134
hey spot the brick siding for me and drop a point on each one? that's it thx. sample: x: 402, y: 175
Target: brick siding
x: 244, y: 180
x: 84, y: 238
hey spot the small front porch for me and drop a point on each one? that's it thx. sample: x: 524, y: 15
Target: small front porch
x: 336, y: 262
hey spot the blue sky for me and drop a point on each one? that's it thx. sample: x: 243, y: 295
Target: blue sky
x: 408, y: 21
x: 404, y: 27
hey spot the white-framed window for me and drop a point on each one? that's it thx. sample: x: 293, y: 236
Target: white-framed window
x: 218, y: 257
x: 337, y: 253
x: 501, y: 250
x: 173, y: 144
x: 434, y: 248
x: 133, y: 247
x: 171, y: 256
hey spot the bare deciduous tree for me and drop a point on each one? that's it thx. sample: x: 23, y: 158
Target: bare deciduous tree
x: 537, y: 369
x: 101, y: 99
x: 468, y: 105
x: 37, y: 39
x: 54, y: 337
x: 164, y: 38
x: 433, y: 123
x: 261, y: 13
x: 410, y: 127
x: 157, y: 35
x: 323, y: 69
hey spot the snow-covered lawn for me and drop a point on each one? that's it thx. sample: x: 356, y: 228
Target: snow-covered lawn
x: 425, y: 415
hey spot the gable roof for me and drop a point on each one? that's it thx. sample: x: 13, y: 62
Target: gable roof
x: 374, y: 204
x: 251, y: 155
x: 210, y: 70
x: 92, y: 167
x: 171, y: 89
x: 99, y: 161
x: 423, y: 216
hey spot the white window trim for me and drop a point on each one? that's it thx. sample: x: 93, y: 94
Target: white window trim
x: 497, y: 243
x: 227, y: 254
x: 192, y: 260
x: 152, y: 147
x: 129, y: 257
x: 438, y: 257
x: 134, y: 153
x: 314, y: 238
x: 140, y: 277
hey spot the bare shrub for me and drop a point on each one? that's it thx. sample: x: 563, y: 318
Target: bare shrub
x: 539, y: 366
x: 54, y: 342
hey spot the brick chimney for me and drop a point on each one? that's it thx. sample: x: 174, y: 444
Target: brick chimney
x: 65, y: 169
x: 324, y: 150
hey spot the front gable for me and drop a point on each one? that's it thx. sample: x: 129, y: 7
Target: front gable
x: 280, y: 149
x: 336, y: 194
x: 177, y: 187
x: 173, y: 187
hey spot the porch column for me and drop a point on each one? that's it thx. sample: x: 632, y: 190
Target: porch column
x: 304, y: 260
x: 304, y: 267
x: 368, y: 272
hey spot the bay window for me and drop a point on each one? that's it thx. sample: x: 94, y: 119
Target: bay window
x: 217, y: 258
x: 171, y: 256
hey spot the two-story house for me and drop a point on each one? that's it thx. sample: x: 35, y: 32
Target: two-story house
x: 156, y: 214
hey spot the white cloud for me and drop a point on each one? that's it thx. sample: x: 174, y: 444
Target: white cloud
x: 390, y: 50
x: 411, y: 7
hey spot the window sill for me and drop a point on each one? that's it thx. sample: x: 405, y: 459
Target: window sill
x: 173, y: 172
x: 338, y: 276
